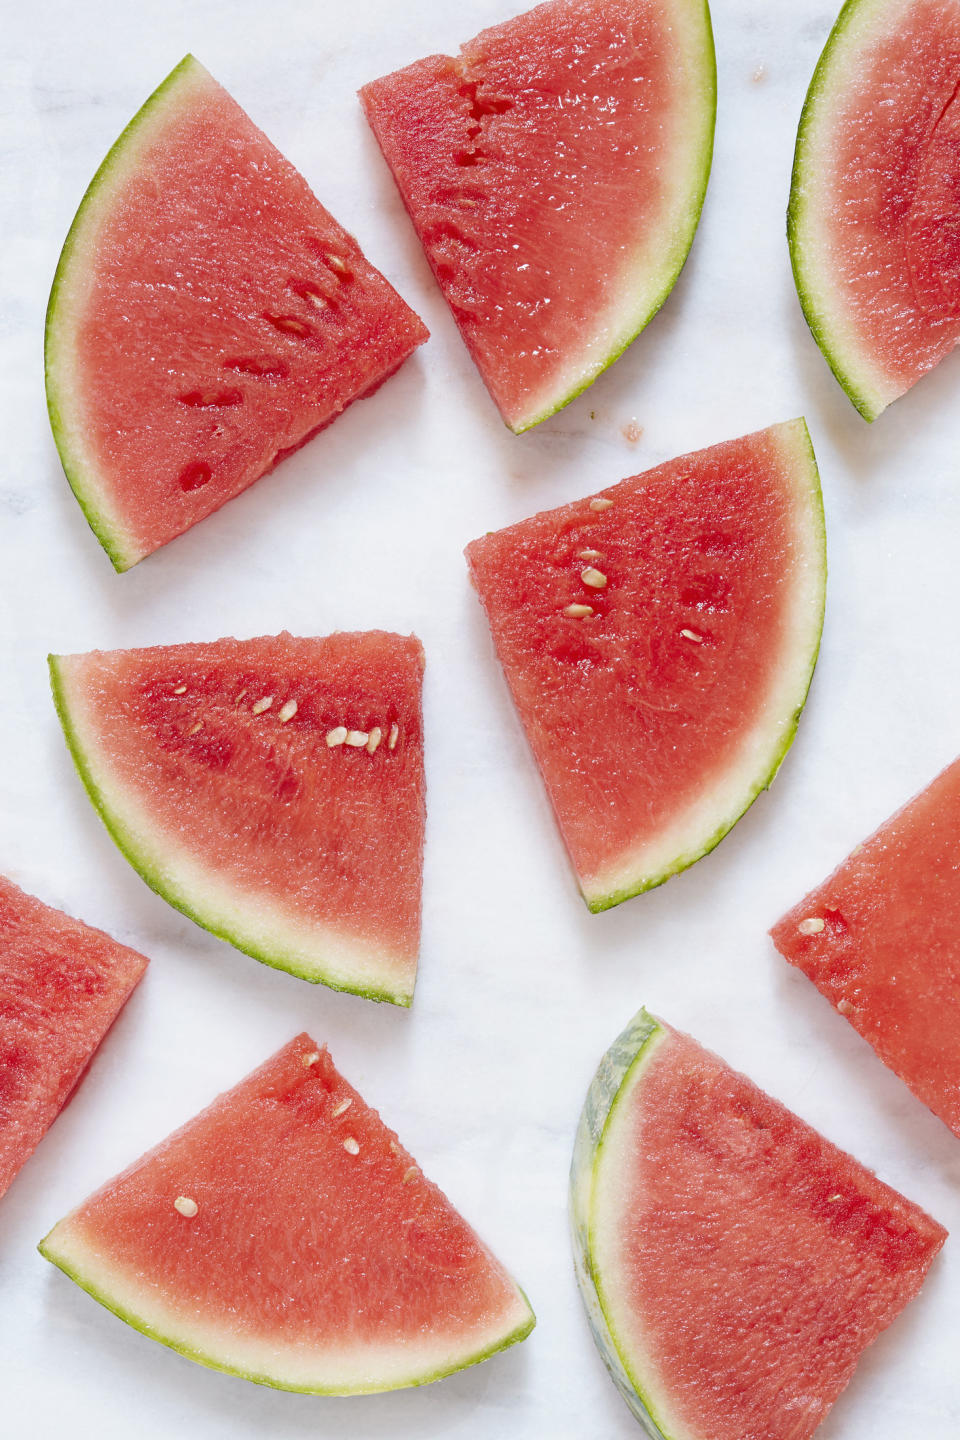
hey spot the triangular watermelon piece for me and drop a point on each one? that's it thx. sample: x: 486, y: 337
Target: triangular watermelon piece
x: 659, y: 641
x: 207, y: 317
x: 285, y: 1235
x: 62, y: 985
x: 271, y: 789
x: 734, y: 1264
x: 555, y: 170
x: 880, y: 938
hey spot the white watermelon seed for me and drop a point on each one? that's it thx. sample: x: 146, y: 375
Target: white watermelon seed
x: 589, y: 555
x: 376, y: 735
x: 310, y: 1059
x: 342, y: 1107
x: 394, y: 736
x: 186, y: 1206
x: 692, y: 635
x: 812, y: 926
x: 351, y: 1146
x: 844, y: 1007
x: 600, y: 503
x: 357, y: 738
x: 287, y: 712
x: 239, y: 697
x: 180, y: 690
x: 194, y: 728
x: 577, y: 612
x: 336, y: 736
x: 410, y: 1174
x: 259, y: 706
x: 594, y: 578
x: 832, y: 1199
x: 337, y: 264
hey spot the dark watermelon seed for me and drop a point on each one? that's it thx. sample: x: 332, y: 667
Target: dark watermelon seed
x: 207, y: 398
x: 195, y: 475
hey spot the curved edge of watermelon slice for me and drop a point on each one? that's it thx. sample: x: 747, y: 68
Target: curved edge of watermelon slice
x: 619, y: 1071
x: 120, y: 159
x: 80, y: 1265
x: 773, y: 738
x: 323, y: 957
x: 865, y: 383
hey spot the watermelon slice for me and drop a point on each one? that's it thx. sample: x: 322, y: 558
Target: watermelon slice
x: 62, y: 985
x: 881, y: 940
x: 659, y: 641
x: 874, y: 219
x: 555, y: 171
x: 285, y: 1236
x: 207, y: 317
x: 271, y: 789
x: 734, y: 1264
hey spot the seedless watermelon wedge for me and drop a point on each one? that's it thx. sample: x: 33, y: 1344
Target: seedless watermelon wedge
x: 207, y: 317
x: 284, y: 1235
x: 555, y: 171
x: 659, y: 641
x: 734, y: 1264
x: 62, y: 985
x: 881, y: 940
x: 874, y: 219
x: 271, y: 789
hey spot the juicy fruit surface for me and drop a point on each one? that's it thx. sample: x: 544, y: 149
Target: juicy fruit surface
x: 742, y: 1262
x: 211, y: 766
x: 881, y: 940
x: 318, y: 1255
x: 656, y: 718
x: 555, y: 171
x: 207, y: 318
x: 875, y: 208
x: 62, y: 985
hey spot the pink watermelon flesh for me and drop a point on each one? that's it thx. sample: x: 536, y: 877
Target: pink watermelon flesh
x: 554, y: 171
x: 658, y: 716
x: 745, y: 1261
x: 62, y: 985
x: 272, y: 788
x: 876, y: 222
x: 208, y: 317
x: 881, y: 940
x: 317, y: 1255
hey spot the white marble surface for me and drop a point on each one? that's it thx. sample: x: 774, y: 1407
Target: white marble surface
x: 521, y: 990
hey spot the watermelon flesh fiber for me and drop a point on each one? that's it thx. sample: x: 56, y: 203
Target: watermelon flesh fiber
x: 208, y: 317
x: 319, y: 1256
x: 555, y: 171
x: 875, y: 213
x: 880, y: 938
x: 736, y: 1263
x: 656, y: 719
x: 307, y: 855
x: 62, y: 985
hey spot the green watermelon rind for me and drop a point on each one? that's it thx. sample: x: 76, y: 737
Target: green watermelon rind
x: 149, y: 870
x: 618, y: 1072
x: 190, y: 1352
x: 599, y: 902
x: 84, y: 486
x: 680, y: 249
x: 865, y: 391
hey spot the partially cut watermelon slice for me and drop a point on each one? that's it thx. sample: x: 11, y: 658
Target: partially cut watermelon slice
x: 881, y: 940
x: 271, y: 789
x: 659, y: 640
x: 734, y: 1264
x: 207, y: 317
x: 62, y: 985
x: 874, y: 219
x: 284, y: 1235
x: 555, y: 171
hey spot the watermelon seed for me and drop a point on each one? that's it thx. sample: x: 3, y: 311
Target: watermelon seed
x: 692, y: 635
x: 832, y: 1199
x: 194, y: 728
x: 410, y: 1174
x: 288, y: 324
x: 394, y: 1147
x: 812, y: 926
x: 287, y: 711
x: 340, y: 268
x: 311, y: 1058
x: 195, y: 475
x: 376, y: 735
x: 259, y: 706
x: 578, y: 612
x: 351, y: 1146
x: 600, y: 503
x: 844, y: 1007
x: 394, y: 736
x: 180, y: 690
x: 239, y: 697
x: 204, y: 399
x: 594, y: 578
x: 589, y: 555
x: 186, y: 1206
x: 336, y: 736
x: 357, y: 739
x: 342, y: 1107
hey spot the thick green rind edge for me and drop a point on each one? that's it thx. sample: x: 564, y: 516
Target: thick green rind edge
x: 684, y: 247
x: 596, y: 904
x: 82, y: 486
x: 130, y: 851
x: 190, y: 1353
x: 870, y: 406
x: 609, y: 1083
